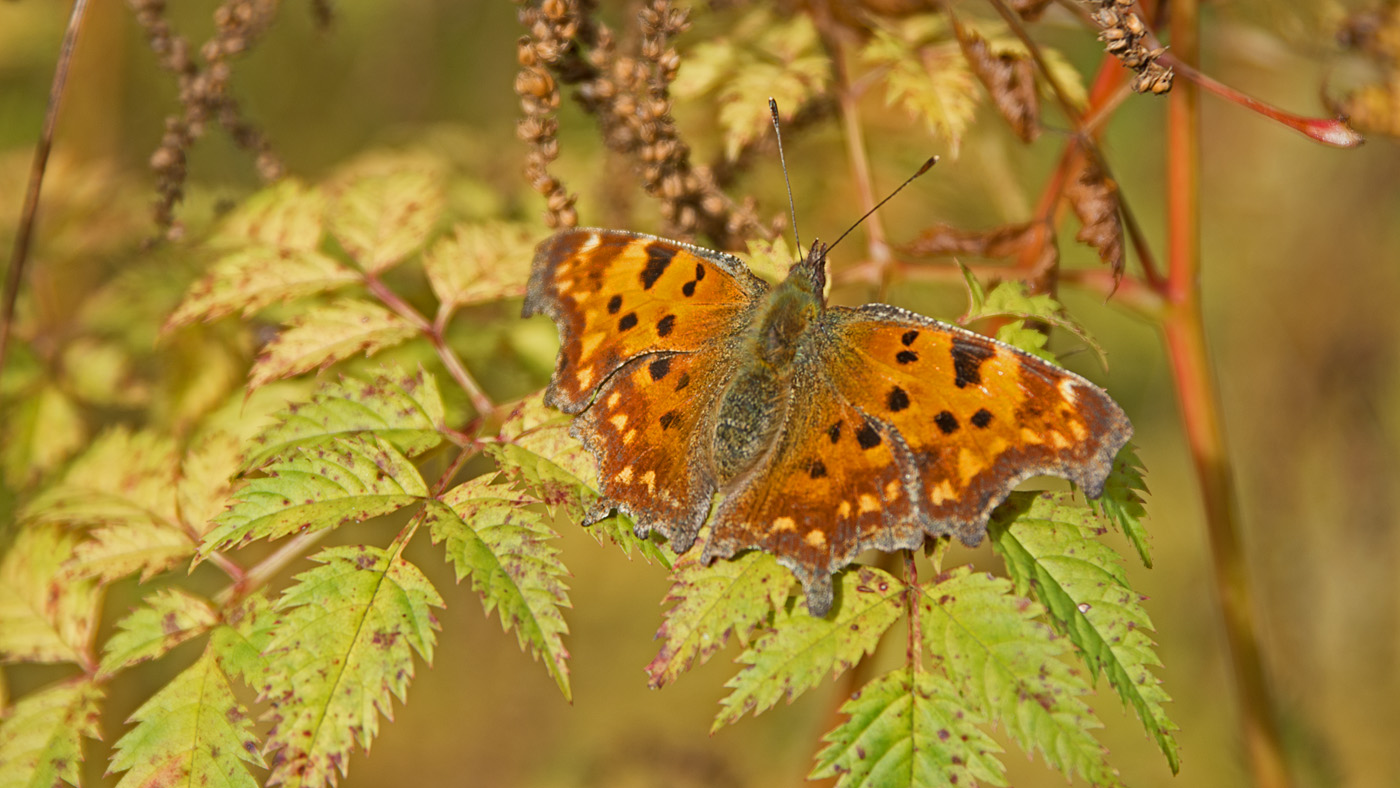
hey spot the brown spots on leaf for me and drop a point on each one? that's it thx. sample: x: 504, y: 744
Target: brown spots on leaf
x: 614, y: 304
x: 659, y: 368
x: 897, y: 400
x: 947, y: 422
x: 665, y: 324
x: 982, y: 418
x: 659, y: 258
x: 867, y: 437
x: 628, y: 320
x: 967, y: 361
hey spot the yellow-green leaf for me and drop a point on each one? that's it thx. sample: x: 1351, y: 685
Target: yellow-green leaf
x: 381, y: 219
x: 323, y: 335
x: 41, y: 742
x: 254, y: 277
x: 43, y: 617
x: 168, y: 618
x: 286, y: 215
x: 480, y: 262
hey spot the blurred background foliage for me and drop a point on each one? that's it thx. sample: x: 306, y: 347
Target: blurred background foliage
x: 1301, y: 245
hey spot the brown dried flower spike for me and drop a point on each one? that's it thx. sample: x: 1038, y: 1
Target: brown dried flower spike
x: 1126, y: 37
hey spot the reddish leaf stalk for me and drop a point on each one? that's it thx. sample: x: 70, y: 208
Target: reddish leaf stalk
x: 29, y: 213
x: 1200, y: 411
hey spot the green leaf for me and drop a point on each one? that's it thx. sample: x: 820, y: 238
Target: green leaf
x: 169, y: 618
x: 792, y: 656
x: 1122, y: 503
x: 42, y: 430
x: 480, y: 262
x: 771, y: 259
x: 286, y: 215
x: 41, y: 742
x: 241, y: 643
x: 381, y: 219
x: 122, y: 478
x: 345, y: 641
x: 909, y: 728
x: 323, y: 335
x: 317, y: 486
x: 1048, y: 543
x: 206, y: 477
x: 113, y: 552
x: 1010, y: 299
x: 44, y: 618
x: 926, y: 75
x: 192, y: 732
x: 729, y: 598
x: 252, y: 278
x: 1007, y: 666
x: 404, y: 410
x: 1018, y: 335
x: 496, y: 538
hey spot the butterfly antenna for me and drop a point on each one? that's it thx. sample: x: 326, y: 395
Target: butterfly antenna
x: 777, y: 130
x: 927, y: 165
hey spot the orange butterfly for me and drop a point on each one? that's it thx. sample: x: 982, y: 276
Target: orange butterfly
x: 825, y: 430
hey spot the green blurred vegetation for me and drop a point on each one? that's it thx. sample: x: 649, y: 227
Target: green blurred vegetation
x: 1300, y: 246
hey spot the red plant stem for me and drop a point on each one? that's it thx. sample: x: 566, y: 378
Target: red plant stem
x: 29, y: 213
x: 1196, y: 390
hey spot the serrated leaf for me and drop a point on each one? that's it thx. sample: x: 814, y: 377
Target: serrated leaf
x: 1048, y: 543
x: 123, y: 477
x: 252, y: 278
x: 43, y: 617
x: 344, y: 643
x: 770, y: 259
x: 494, y: 537
x: 1007, y: 665
x: 1018, y: 335
x: 192, y: 732
x: 480, y: 262
x: 41, y: 742
x: 793, y: 655
x: 206, y: 478
x: 1122, y: 502
x: 113, y: 552
x: 42, y: 430
x: 239, y: 645
x: 318, y: 486
x: 404, y: 410
x: 926, y: 77
x: 168, y: 618
x: 323, y: 335
x: 286, y: 215
x: 909, y: 728
x: 1010, y: 299
x: 711, y: 604
x: 381, y: 219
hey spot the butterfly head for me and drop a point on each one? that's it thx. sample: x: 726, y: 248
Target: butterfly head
x: 809, y: 273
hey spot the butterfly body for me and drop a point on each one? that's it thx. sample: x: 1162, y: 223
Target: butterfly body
x: 823, y: 430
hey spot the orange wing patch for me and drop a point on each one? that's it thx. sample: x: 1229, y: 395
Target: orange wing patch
x: 616, y: 296
x: 835, y: 483
x: 977, y: 415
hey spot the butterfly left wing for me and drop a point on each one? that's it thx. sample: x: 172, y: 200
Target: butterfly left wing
x: 617, y: 295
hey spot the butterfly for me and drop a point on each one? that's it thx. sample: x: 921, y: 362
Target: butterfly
x: 806, y: 430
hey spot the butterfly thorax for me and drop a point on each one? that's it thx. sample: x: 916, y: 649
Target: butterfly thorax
x: 752, y: 406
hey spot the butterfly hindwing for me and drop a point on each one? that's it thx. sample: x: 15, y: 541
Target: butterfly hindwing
x: 617, y: 295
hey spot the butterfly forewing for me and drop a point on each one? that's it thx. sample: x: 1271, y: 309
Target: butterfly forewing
x: 977, y: 415
x: 617, y: 295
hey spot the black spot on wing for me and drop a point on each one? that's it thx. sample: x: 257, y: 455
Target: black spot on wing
x: 669, y: 418
x: 897, y: 400
x: 628, y: 321
x: 658, y: 258
x: 688, y: 289
x: 614, y: 304
x: 816, y: 469
x: 683, y: 381
x: 982, y: 418
x: 906, y: 357
x: 947, y: 422
x: 699, y: 272
x: 665, y: 324
x: 660, y: 367
x: 967, y: 361
x: 909, y: 337
x: 834, y: 432
x: 867, y: 437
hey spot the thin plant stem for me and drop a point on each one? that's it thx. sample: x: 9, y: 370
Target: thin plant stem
x: 14, y: 277
x: 1197, y: 394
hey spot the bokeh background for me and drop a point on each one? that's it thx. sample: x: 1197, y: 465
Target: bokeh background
x: 1302, y: 276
